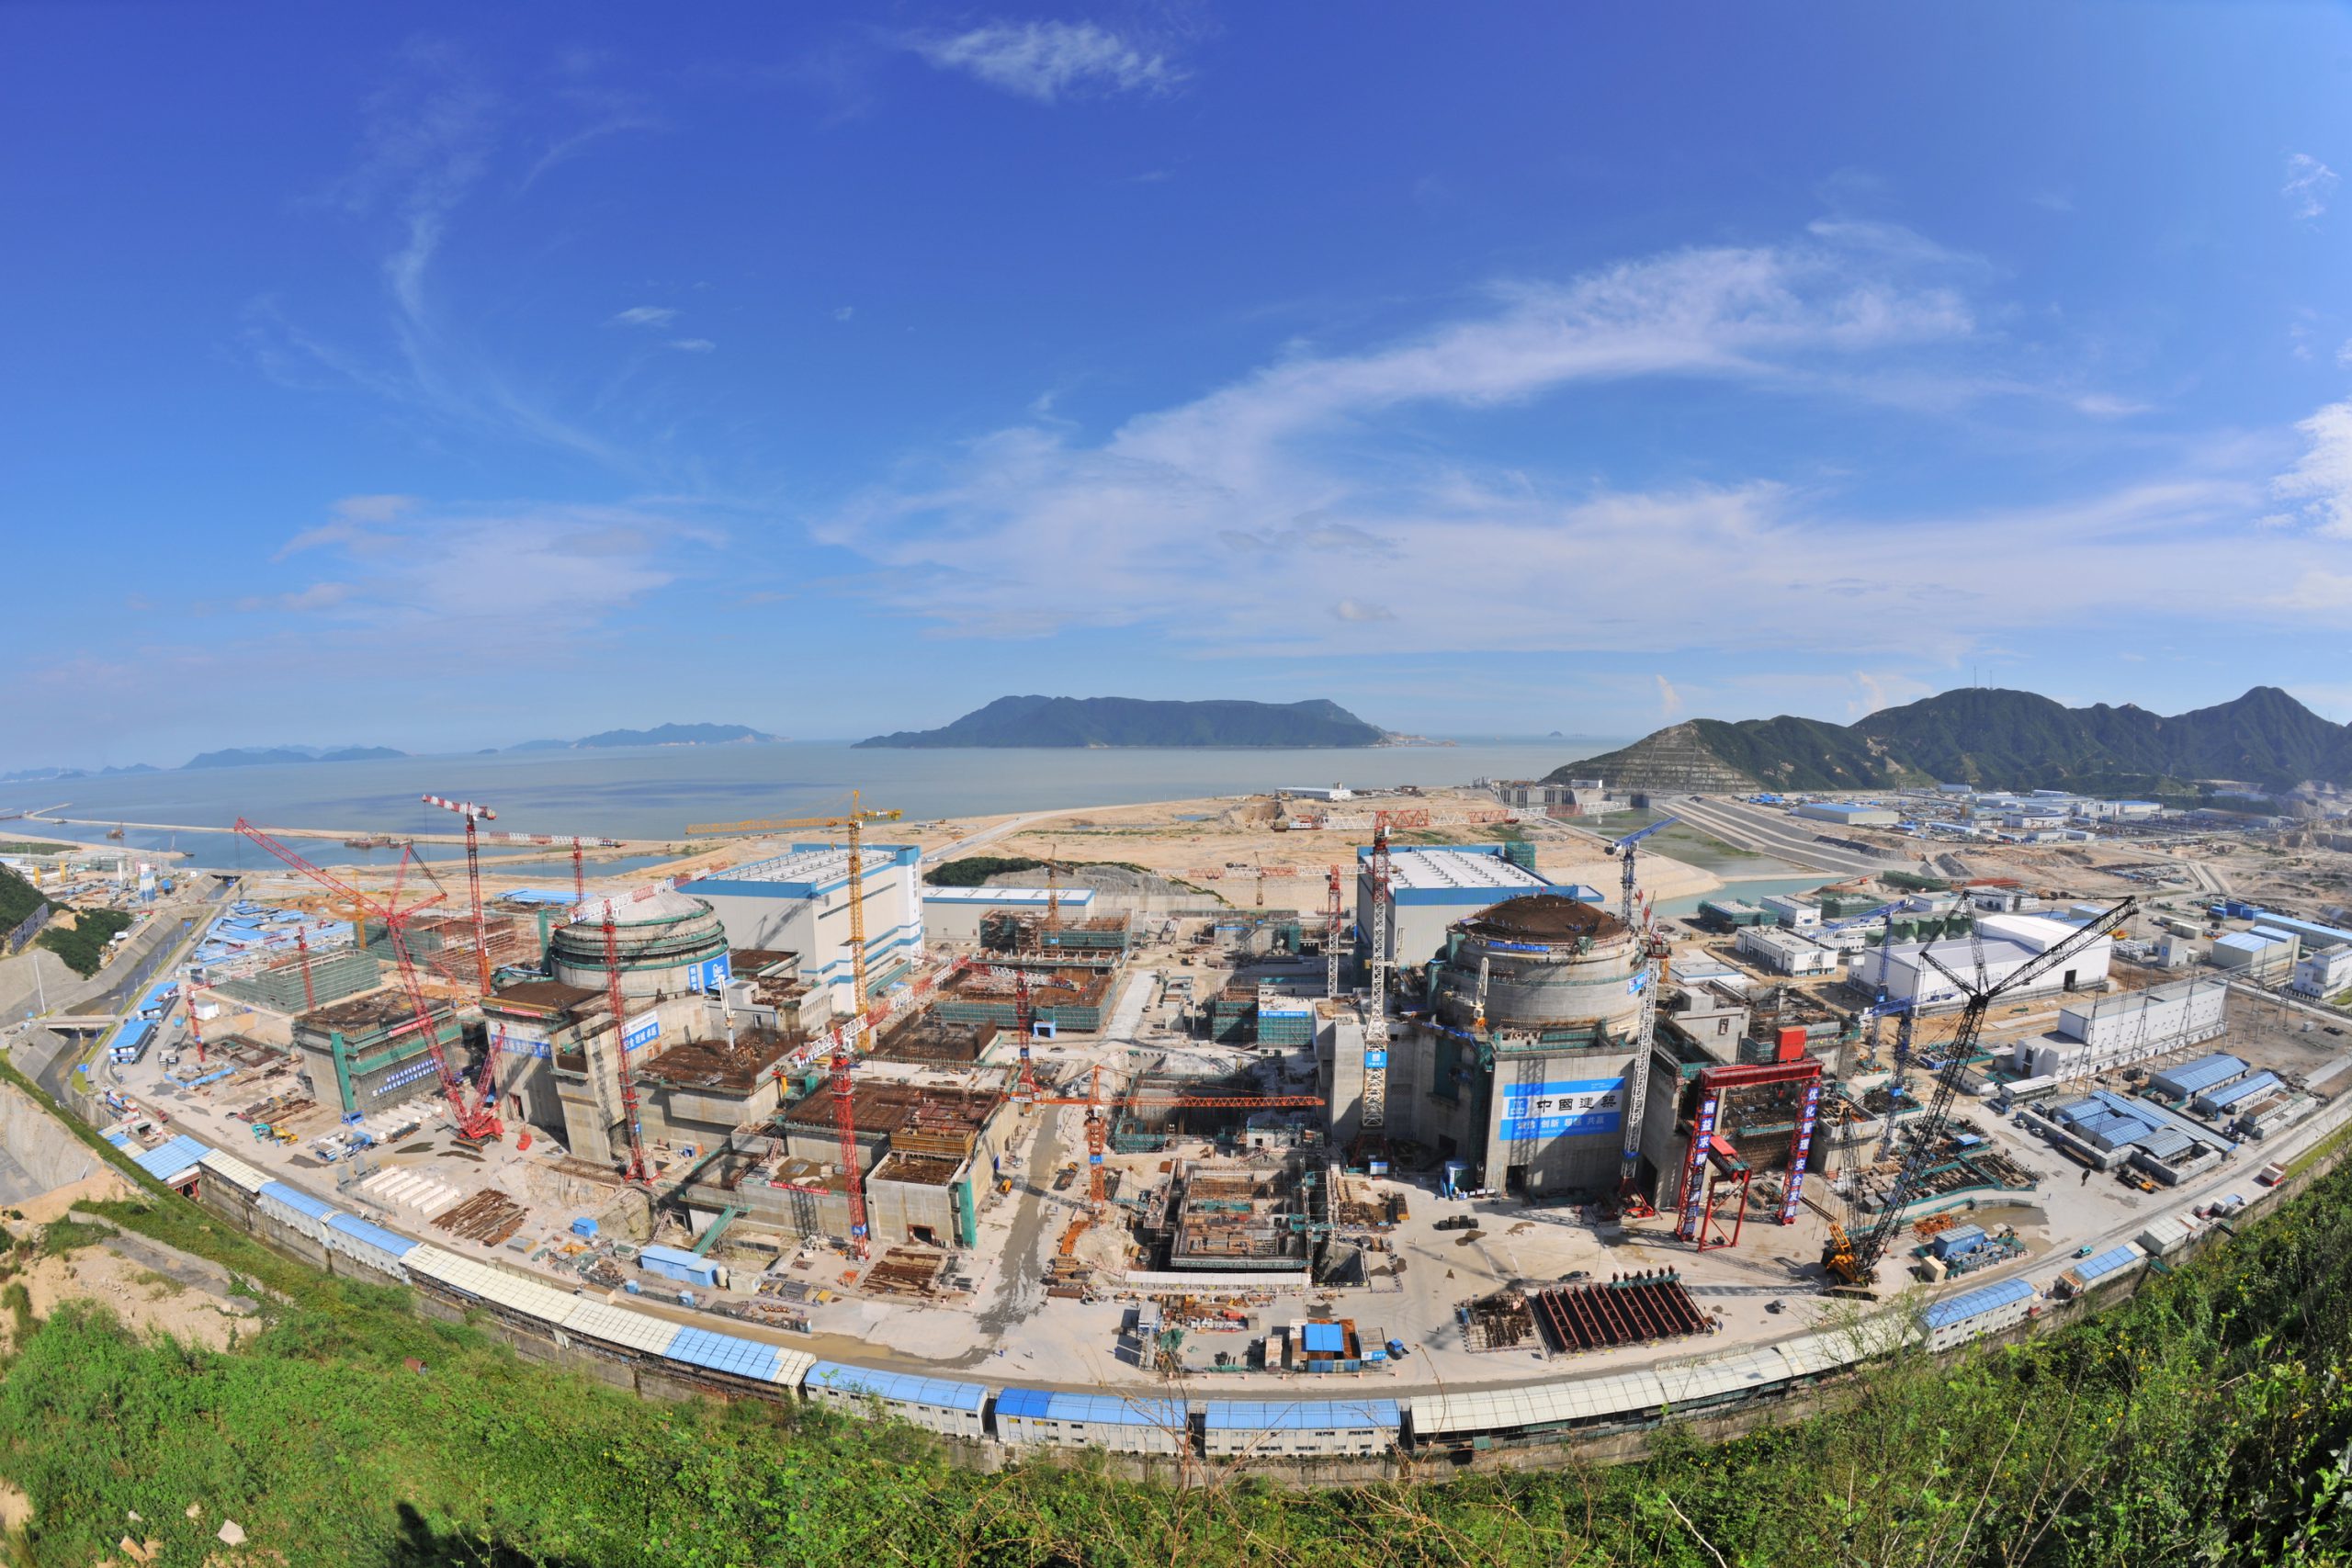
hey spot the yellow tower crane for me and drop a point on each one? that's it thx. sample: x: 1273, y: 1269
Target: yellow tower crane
x: 854, y: 820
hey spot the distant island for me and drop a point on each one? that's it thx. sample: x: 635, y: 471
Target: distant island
x: 672, y: 735
x: 263, y: 756
x: 1104, y: 722
x: 1987, y: 737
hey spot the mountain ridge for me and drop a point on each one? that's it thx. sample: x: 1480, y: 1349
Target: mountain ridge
x: 1043, y: 722
x: 1989, y: 736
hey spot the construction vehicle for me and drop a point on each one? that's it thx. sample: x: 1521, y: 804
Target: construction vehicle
x: 1853, y: 1261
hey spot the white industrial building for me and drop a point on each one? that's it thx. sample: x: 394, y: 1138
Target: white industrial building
x: 798, y: 902
x: 1846, y: 814
x: 954, y: 914
x: 2009, y: 943
x: 2265, y: 956
x: 1796, y: 913
x: 2107, y: 1032
x: 1786, y: 953
x: 1429, y: 889
x: 2325, y: 973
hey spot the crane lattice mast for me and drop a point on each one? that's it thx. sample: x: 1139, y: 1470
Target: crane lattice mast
x: 631, y: 1124
x: 1331, y: 942
x: 472, y: 813
x: 1649, y: 947
x: 1376, y: 1026
x: 1857, y: 1263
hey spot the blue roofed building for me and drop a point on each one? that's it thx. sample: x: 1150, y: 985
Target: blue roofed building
x: 1338, y: 1427
x: 938, y: 1404
x: 1131, y: 1423
x: 1987, y: 1309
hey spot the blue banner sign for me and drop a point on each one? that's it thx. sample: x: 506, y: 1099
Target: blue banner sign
x: 1551, y: 1110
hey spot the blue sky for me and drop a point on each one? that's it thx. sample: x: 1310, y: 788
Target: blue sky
x: 414, y: 378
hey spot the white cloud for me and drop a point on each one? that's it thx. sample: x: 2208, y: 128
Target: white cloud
x: 1203, y: 520
x: 1357, y: 610
x: 2344, y: 355
x: 693, y: 344
x: 1045, y: 61
x: 645, y: 316
x: 2322, y: 478
x: 1669, y: 701
x: 843, y: 312
x: 488, y: 571
x: 2309, y: 185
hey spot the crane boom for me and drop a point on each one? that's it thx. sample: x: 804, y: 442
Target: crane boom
x: 634, y: 1132
x: 1859, y: 1262
x: 471, y: 815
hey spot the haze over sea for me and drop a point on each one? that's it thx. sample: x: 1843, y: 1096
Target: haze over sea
x: 654, y: 792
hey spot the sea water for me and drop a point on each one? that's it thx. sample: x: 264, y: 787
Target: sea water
x: 654, y: 792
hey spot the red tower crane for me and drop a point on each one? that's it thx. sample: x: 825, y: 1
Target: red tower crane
x: 302, y: 950
x: 635, y: 1132
x: 473, y: 812
x: 474, y: 1121
x: 845, y: 1122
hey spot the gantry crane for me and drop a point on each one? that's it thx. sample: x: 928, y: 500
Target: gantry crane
x: 476, y: 1122
x: 473, y: 814
x: 854, y: 820
x: 1854, y: 1259
x: 1650, y: 947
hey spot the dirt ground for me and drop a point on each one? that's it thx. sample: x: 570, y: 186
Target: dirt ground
x: 145, y: 1301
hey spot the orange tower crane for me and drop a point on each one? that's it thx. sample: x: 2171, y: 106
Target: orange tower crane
x: 473, y: 814
x: 854, y: 820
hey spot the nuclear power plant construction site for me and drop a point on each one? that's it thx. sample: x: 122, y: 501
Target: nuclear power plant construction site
x: 1317, y: 1124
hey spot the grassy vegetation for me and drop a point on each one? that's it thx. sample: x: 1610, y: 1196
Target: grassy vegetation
x: 83, y: 948
x: 2206, y: 1420
x: 19, y: 899
x: 973, y: 871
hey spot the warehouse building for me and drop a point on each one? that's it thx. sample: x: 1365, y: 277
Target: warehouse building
x: 1847, y: 814
x: 1430, y: 889
x: 2182, y: 1083
x: 937, y: 1405
x: 1786, y: 952
x: 2263, y: 956
x: 2009, y: 942
x: 2107, y: 1032
x: 954, y: 914
x: 798, y: 902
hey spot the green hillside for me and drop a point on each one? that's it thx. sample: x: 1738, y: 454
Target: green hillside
x: 1995, y: 738
x: 1133, y: 721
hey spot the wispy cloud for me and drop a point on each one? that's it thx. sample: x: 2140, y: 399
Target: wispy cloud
x: 2321, y: 480
x: 1669, y: 701
x: 2310, y: 183
x: 481, y: 570
x: 645, y: 316
x: 1327, y: 463
x: 1046, y: 61
x: 693, y: 344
